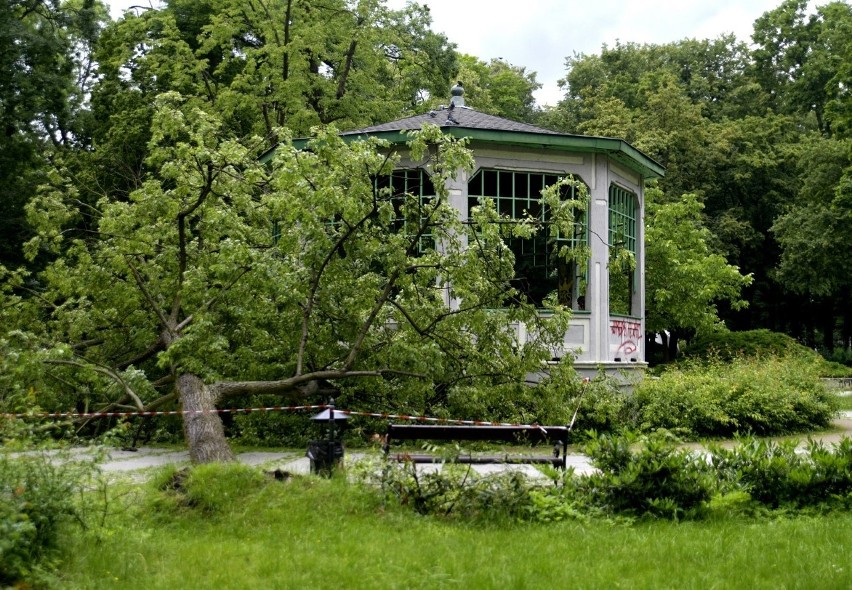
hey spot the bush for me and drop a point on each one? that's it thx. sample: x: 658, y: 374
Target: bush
x: 637, y: 476
x: 600, y: 404
x: 38, y: 494
x: 840, y: 356
x: 778, y: 474
x: 764, y: 396
x: 728, y: 346
x: 457, y: 491
x: 657, y: 478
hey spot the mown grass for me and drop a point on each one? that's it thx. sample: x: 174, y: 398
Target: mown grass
x: 313, y: 533
x: 845, y: 402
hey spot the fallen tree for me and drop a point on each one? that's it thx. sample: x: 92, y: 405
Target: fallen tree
x: 222, y: 277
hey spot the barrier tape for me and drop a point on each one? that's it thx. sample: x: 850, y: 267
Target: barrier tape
x: 384, y: 416
x: 266, y: 409
x: 162, y: 413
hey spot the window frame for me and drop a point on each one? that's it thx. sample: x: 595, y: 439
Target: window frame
x: 541, y: 249
x: 623, y: 232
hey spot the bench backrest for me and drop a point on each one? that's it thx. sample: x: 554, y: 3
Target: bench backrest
x: 519, y: 434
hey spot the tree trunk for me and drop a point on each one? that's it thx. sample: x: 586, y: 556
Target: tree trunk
x: 828, y: 323
x: 846, y: 329
x: 664, y: 339
x: 202, y: 426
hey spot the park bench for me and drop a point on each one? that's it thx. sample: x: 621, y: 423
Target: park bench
x: 556, y: 435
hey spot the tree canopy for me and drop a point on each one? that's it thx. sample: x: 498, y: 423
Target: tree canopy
x: 760, y: 136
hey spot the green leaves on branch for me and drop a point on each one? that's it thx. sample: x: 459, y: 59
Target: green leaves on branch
x: 685, y: 279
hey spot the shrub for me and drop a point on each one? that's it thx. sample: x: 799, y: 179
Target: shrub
x: 656, y: 478
x: 457, y: 490
x: 725, y: 345
x: 38, y: 494
x: 778, y: 474
x: 600, y: 403
x: 764, y: 396
x: 840, y: 356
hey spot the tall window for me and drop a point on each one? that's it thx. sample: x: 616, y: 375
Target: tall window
x: 539, y: 271
x: 411, y: 191
x: 623, y: 207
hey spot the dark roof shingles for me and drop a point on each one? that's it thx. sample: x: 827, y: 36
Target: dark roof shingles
x: 463, y: 117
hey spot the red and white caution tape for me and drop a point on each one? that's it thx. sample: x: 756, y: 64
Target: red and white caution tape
x: 162, y: 413
x: 382, y: 415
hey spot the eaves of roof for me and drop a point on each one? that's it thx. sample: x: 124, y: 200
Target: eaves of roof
x: 489, y: 129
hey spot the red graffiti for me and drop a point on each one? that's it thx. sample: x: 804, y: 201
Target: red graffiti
x: 626, y: 348
x: 626, y: 329
x: 626, y: 334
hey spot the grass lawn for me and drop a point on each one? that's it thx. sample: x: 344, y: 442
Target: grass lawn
x: 845, y: 402
x: 311, y: 533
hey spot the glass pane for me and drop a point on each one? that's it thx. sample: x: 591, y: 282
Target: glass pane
x: 489, y: 186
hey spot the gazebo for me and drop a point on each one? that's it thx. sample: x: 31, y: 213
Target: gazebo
x: 513, y: 162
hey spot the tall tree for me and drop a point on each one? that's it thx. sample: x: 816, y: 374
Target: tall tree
x: 800, y: 57
x: 499, y: 88
x: 45, y: 76
x: 812, y: 231
x: 685, y: 279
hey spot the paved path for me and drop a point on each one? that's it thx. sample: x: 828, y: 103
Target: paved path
x: 295, y: 462
x: 146, y: 457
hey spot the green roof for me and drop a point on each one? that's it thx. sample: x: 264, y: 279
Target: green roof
x: 466, y: 122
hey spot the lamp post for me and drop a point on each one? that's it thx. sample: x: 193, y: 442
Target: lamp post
x: 326, y: 454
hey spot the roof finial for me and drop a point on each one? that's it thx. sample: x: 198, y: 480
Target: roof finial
x: 457, y: 93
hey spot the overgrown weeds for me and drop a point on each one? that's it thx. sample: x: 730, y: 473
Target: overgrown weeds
x: 40, y: 492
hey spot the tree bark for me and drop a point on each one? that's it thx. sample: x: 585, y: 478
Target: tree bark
x: 202, y: 426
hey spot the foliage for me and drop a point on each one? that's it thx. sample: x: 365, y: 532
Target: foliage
x: 39, y: 493
x: 599, y: 403
x: 46, y: 72
x: 658, y: 478
x: 725, y: 345
x: 265, y: 66
x: 839, y: 356
x: 457, y: 491
x: 684, y: 279
x: 761, y: 395
x: 759, y: 136
x: 221, y: 277
x: 812, y: 226
x: 779, y: 474
x: 498, y: 88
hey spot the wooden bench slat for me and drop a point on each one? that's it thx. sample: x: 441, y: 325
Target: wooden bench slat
x: 476, y: 459
x: 452, y: 432
x: 449, y: 432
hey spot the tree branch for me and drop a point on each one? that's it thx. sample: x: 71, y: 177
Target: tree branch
x: 315, y: 283
x: 209, y: 303
x: 103, y: 371
x: 156, y: 347
x: 209, y: 177
x: 140, y: 282
x: 226, y: 389
x: 368, y: 323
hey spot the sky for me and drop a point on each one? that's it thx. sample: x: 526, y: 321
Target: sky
x: 540, y: 34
